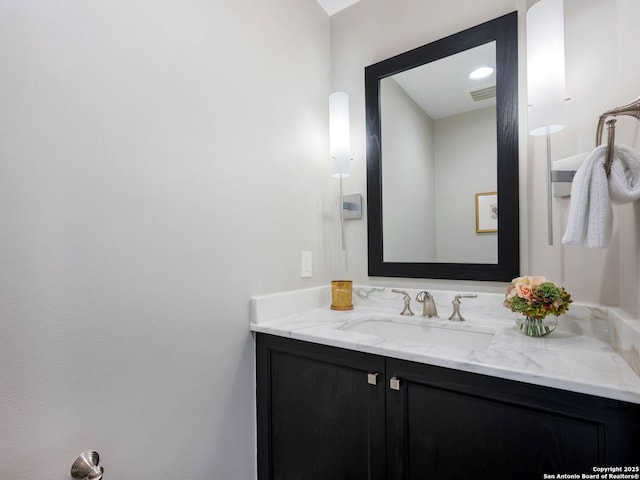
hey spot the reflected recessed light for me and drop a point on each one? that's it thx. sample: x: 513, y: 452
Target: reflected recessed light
x: 480, y: 73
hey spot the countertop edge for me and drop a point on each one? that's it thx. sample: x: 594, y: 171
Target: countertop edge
x: 593, y: 352
x: 489, y: 370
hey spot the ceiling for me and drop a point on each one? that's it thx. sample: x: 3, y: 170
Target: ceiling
x: 443, y: 88
x: 334, y: 6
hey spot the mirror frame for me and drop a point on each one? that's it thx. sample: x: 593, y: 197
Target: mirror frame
x: 504, y: 31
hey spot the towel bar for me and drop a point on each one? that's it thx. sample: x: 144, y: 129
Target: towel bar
x: 632, y: 109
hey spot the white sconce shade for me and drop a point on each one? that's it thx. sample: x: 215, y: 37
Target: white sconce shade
x: 545, y: 67
x: 339, y: 134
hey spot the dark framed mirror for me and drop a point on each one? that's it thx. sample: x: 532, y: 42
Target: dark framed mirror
x: 442, y: 158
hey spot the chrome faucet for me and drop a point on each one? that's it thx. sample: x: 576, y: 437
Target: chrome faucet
x: 406, y: 311
x: 456, y: 316
x: 428, y: 305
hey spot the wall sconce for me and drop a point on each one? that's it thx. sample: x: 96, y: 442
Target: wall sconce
x: 340, y: 150
x: 339, y: 134
x: 545, y: 79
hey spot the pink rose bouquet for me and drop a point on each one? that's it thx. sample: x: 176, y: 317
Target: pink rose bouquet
x: 536, y: 297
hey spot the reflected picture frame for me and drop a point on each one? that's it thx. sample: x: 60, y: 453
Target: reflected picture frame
x: 486, y: 212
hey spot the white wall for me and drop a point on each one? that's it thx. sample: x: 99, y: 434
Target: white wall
x: 466, y: 153
x: 160, y: 162
x: 602, y: 73
x: 408, y: 134
x: 628, y: 88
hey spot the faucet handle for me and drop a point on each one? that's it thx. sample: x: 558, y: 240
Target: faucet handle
x: 464, y: 295
x: 456, y: 316
x: 407, y: 302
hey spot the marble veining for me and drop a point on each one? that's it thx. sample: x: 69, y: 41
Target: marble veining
x: 625, y: 337
x: 594, y: 350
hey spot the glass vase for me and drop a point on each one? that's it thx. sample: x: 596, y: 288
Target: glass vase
x: 535, y: 327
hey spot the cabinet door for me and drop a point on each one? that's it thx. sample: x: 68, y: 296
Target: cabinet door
x: 445, y: 424
x: 319, y: 417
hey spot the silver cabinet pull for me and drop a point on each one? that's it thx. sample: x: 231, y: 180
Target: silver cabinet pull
x: 372, y: 378
x: 86, y: 467
x: 394, y: 383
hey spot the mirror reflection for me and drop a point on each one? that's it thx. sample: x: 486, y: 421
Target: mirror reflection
x: 438, y: 122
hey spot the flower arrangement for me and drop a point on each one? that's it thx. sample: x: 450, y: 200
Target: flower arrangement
x: 535, y: 298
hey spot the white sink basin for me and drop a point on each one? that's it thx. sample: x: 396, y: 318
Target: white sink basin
x: 454, y: 336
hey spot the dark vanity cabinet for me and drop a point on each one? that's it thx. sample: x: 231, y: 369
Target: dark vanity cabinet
x: 320, y: 412
x: 448, y: 424
x: 323, y: 413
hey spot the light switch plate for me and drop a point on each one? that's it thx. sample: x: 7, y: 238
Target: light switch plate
x: 305, y: 264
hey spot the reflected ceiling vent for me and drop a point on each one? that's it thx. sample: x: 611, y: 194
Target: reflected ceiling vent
x: 483, y: 93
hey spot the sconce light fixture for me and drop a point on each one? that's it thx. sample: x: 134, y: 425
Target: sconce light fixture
x: 340, y: 146
x: 339, y: 134
x: 545, y: 79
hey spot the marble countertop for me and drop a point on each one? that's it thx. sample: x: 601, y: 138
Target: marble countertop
x: 582, y: 355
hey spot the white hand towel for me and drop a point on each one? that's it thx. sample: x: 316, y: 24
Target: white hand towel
x: 624, y: 180
x: 590, y: 214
